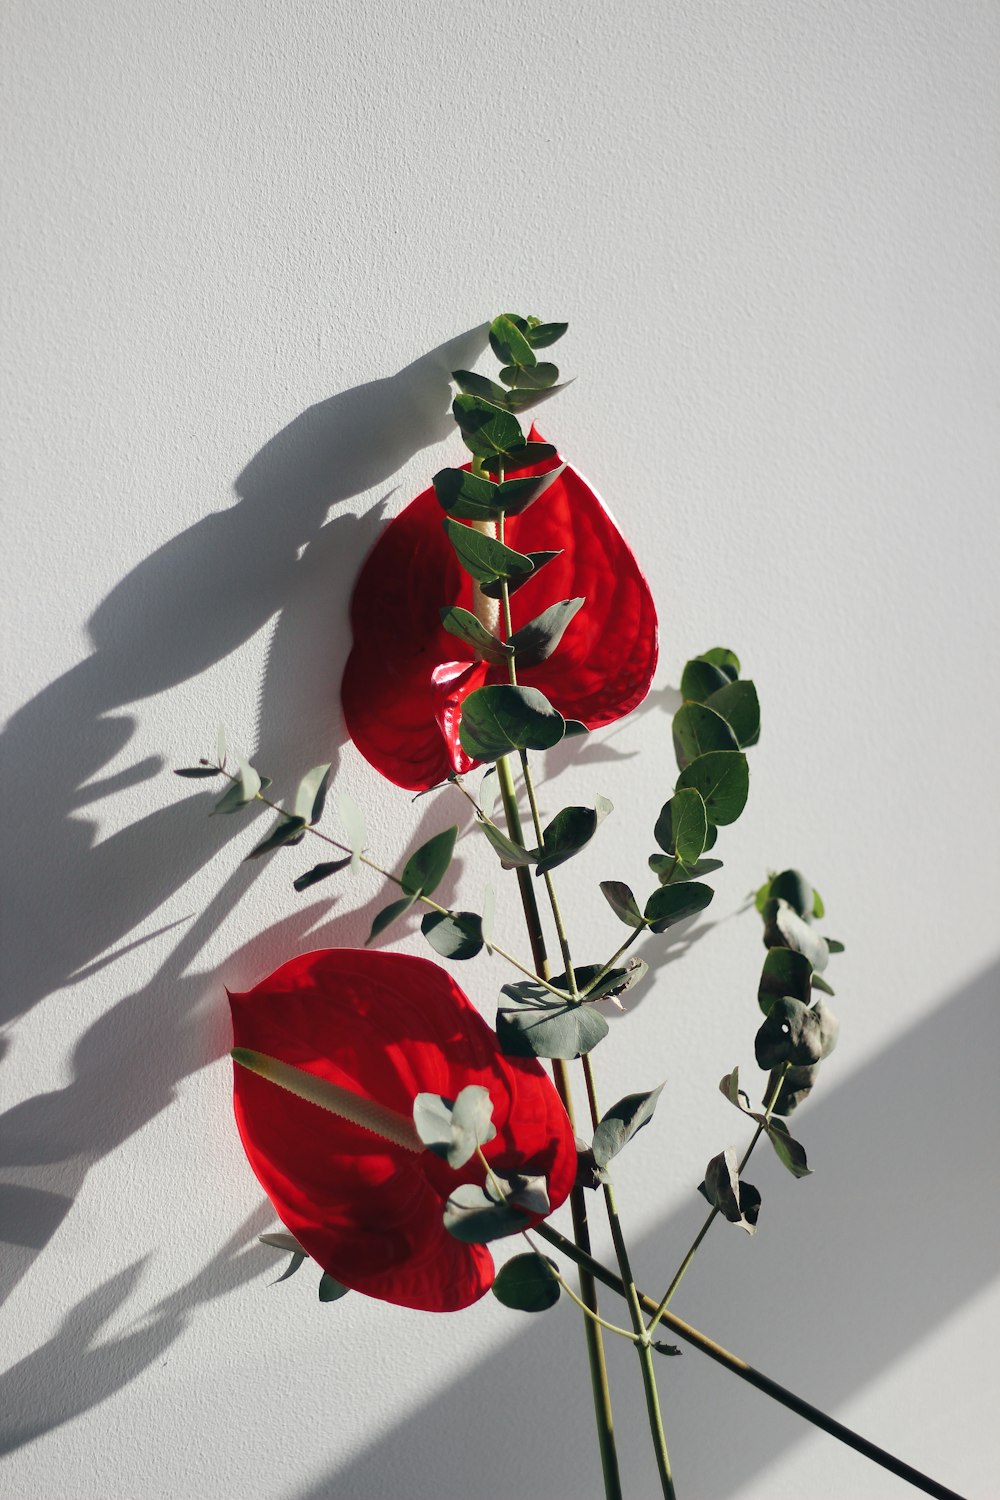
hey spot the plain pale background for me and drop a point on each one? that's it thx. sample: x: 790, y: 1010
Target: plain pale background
x: 234, y: 237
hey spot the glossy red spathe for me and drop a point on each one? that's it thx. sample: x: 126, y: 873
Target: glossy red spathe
x: 406, y: 676
x: 386, y: 1026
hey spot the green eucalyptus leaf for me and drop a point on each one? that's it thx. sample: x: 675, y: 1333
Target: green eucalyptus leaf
x: 538, y: 377
x: 281, y: 1240
x: 528, y: 1283
x: 785, y: 972
x: 730, y: 1088
x: 622, y: 902
x: 541, y: 335
x: 471, y: 384
x: 500, y: 718
x: 515, y: 495
x: 723, y: 779
x: 673, y: 903
x: 487, y: 430
x: 819, y: 910
x: 570, y: 830
x: 520, y: 399
x: 465, y: 625
x: 330, y: 1289
x: 388, y: 915
x: 791, y: 1032
x: 196, y: 772
x: 697, y: 730
x: 298, y: 1258
x: 241, y: 792
x: 527, y: 456
x: 476, y: 1219
x: 682, y: 827
x: 509, y: 344
x: 820, y: 983
x: 453, y: 1128
x: 453, y: 934
x: 738, y: 704
x: 672, y: 872
x: 788, y: 1150
x: 622, y: 1121
x: 511, y: 855
x: 546, y: 1027
x: 320, y: 872
x: 700, y: 679
x: 721, y: 656
x: 467, y: 497
x: 793, y: 887
x: 288, y: 831
x: 428, y: 865
x: 353, y: 820
x: 611, y: 985
x: 536, y: 641
x: 489, y: 913
x: 737, y: 1201
x: 834, y: 946
x: 310, y: 799
x: 538, y: 560
x: 784, y: 928
x: 484, y: 557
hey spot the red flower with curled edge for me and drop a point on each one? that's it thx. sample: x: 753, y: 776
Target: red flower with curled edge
x: 367, y: 1201
x: 407, y: 677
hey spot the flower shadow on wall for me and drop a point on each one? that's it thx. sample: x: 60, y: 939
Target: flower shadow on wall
x: 185, y: 607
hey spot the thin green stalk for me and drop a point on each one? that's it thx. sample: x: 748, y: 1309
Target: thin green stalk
x: 603, y: 1413
x: 756, y: 1378
x: 692, y: 1252
x: 618, y: 1238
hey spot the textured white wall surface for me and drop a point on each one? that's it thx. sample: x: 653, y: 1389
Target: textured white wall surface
x: 234, y: 237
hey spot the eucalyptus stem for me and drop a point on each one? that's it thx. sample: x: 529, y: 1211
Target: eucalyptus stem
x: 618, y: 1238
x: 756, y: 1378
x: 710, y: 1220
x: 603, y: 1414
x: 635, y: 933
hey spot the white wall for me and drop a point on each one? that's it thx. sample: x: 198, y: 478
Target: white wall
x: 230, y: 231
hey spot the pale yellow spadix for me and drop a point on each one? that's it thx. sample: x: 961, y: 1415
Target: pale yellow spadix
x: 330, y: 1096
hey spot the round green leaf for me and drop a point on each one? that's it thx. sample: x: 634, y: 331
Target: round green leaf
x: 536, y: 641
x: 465, y: 496
x: 624, y: 1120
x: 454, y: 935
x: 793, y: 887
x: 785, y: 972
x: 700, y: 679
x: 488, y: 430
x: 500, y: 718
x: 548, y: 1029
x: 698, y: 729
x: 723, y: 779
x: 528, y: 1283
x: 330, y: 1289
x: 738, y: 704
x: 622, y: 902
x: 428, y: 865
x: 509, y: 344
x: 483, y: 557
x: 672, y: 903
x: 467, y: 627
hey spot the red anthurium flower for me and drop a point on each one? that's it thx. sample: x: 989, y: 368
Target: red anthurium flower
x: 407, y: 676
x: 385, y: 1027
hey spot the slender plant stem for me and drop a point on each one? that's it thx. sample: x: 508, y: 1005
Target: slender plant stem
x: 618, y: 1238
x: 746, y: 1372
x: 710, y: 1220
x: 603, y: 1413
